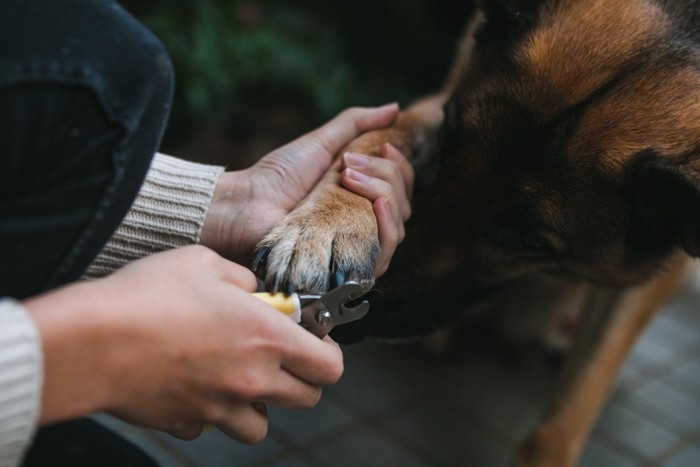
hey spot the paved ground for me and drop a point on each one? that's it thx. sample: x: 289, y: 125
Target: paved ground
x: 401, y: 405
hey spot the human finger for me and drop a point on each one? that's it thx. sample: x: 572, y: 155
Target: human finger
x: 390, y: 152
x: 390, y: 233
x: 291, y: 392
x: 373, y: 177
x: 238, y: 275
x: 372, y: 189
x: 351, y: 123
x: 301, y: 163
x: 326, y: 141
x: 317, y: 361
x: 213, y: 262
x: 188, y: 431
x: 245, y: 422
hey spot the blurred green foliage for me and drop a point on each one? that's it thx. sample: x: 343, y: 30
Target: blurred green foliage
x: 231, y: 56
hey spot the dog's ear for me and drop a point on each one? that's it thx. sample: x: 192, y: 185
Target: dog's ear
x: 665, y: 198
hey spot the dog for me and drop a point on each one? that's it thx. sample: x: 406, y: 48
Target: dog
x: 562, y: 157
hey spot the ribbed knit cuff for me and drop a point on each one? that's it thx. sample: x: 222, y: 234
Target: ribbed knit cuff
x: 168, y: 213
x: 20, y: 381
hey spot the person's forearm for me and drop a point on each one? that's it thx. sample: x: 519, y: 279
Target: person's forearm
x: 77, y: 331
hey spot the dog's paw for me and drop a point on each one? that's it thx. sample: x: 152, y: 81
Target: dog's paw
x: 320, y: 245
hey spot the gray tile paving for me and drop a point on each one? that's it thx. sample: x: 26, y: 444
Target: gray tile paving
x: 301, y: 427
x: 403, y: 405
x: 684, y: 458
x: 671, y: 402
x: 639, y: 434
x: 686, y: 378
x: 214, y: 448
x: 649, y: 355
x: 598, y: 453
x: 365, y: 445
x: 672, y: 335
x: 435, y: 426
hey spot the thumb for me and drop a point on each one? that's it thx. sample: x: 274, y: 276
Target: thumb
x: 294, y: 169
x: 350, y: 124
x: 313, y: 152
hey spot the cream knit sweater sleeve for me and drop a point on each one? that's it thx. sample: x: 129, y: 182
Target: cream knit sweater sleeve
x: 168, y: 212
x: 20, y: 381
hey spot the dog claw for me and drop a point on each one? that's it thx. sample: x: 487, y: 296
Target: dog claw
x: 291, y: 288
x: 277, y: 283
x: 261, y: 256
x: 339, y: 277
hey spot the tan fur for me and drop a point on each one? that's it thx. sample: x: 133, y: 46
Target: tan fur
x: 603, y: 49
x: 579, y: 49
x: 664, y: 119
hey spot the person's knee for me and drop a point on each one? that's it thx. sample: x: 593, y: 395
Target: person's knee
x: 93, y: 43
x: 134, y: 63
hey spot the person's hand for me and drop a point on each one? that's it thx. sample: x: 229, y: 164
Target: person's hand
x: 248, y: 203
x: 174, y: 341
x: 388, y: 183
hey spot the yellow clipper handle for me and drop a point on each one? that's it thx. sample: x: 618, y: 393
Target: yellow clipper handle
x: 287, y: 304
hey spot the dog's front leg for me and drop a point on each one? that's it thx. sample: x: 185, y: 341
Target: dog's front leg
x: 332, y: 236
x: 612, y: 322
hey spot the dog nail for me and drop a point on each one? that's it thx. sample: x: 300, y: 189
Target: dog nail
x: 352, y: 159
x: 277, y: 285
x: 261, y: 257
x: 339, y: 278
x: 274, y: 283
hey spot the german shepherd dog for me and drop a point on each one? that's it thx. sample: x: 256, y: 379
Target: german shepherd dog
x: 564, y: 150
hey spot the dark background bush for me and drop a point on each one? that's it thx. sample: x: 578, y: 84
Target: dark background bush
x: 251, y: 74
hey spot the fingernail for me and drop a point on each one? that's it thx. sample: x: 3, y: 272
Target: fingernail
x: 386, y: 205
x: 390, y: 104
x: 355, y: 175
x: 389, y: 151
x: 355, y: 160
x: 383, y: 150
